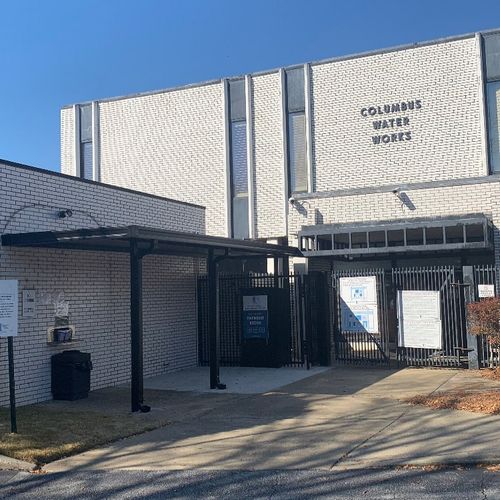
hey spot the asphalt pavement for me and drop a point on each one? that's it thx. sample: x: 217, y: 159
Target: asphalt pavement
x: 462, y: 484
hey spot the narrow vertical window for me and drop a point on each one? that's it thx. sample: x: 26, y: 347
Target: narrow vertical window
x: 492, y: 65
x: 296, y: 130
x: 86, y: 154
x: 239, y: 169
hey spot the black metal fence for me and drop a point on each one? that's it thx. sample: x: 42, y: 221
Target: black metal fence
x: 308, y: 299
x: 448, y: 282
x: 361, y: 347
x: 316, y: 322
x: 379, y: 348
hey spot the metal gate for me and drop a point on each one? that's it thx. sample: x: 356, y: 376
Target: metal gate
x: 316, y: 321
x: 381, y: 346
x: 308, y: 309
x: 361, y: 347
x: 449, y: 283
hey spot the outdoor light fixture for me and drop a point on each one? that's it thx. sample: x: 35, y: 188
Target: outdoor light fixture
x: 398, y: 193
x: 63, y: 214
x: 404, y: 199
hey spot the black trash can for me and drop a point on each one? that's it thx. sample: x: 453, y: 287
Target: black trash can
x: 71, y: 375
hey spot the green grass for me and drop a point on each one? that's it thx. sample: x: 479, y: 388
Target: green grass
x: 47, y: 434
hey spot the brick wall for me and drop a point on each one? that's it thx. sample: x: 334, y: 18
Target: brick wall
x: 68, y: 141
x: 169, y: 144
x: 172, y: 143
x: 446, y: 136
x: 268, y: 157
x: 95, y: 284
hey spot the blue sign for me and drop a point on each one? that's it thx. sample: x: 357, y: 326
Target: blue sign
x: 255, y: 317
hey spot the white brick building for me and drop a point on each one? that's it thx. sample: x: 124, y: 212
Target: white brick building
x: 94, y: 284
x: 403, y: 134
x: 111, y: 270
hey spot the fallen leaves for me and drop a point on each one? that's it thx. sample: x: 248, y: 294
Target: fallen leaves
x: 479, y: 402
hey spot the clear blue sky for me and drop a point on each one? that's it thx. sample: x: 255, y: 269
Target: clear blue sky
x: 57, y: 52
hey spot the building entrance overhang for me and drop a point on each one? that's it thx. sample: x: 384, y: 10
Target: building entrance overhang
x: 138, y: 242
x: 473, y: 232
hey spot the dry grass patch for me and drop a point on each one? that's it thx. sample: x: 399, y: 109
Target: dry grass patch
x: 47, y: 434
x: 480, y: 402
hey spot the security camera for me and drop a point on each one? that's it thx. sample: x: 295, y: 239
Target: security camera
x: 292, y: 200
x: 395, y: 191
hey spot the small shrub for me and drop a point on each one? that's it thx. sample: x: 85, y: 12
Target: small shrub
x: 484, y: 319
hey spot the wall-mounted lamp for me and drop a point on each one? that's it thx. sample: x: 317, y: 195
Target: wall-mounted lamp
x: 63, y: 214
x: 404, y: 199
x: 398, y: 193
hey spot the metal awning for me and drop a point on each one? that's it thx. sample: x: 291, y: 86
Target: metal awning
x: 139, y: 242
x: 437, y: 234
x: 157, y: 241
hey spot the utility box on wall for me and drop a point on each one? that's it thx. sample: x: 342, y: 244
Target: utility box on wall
x: 265, y: 316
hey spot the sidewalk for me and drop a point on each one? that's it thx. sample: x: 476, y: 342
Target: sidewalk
x: 340, y: 419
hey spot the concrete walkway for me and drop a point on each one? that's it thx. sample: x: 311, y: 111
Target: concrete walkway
x: 343, y: 418
x: 238, y: 380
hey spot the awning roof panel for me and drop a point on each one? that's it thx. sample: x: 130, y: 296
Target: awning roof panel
x: 159, y: 241
x: 437, y: 234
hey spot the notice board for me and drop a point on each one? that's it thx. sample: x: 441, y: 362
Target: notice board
x: 9, y: 308
x: 419, y: 319
x: 358, y: 304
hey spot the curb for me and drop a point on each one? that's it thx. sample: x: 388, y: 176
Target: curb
x: 8, y: 463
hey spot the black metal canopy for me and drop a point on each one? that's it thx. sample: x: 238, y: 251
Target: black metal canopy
x: 139, y: 242
x: 155, y: 241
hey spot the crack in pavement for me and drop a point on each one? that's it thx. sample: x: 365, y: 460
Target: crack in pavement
x: 354, y: 448
x: 359, y: 445
x: 442, y: 383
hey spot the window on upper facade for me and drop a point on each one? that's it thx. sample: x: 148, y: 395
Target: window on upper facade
x: 86, y: 147
x: 239, y: 166
x: 492, y: 57
x: 296, y: 130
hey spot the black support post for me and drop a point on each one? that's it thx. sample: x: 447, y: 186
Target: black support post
x: 213, y: 321
x: 12, y: 385
x: 286, y: 265
x: 136, y: 327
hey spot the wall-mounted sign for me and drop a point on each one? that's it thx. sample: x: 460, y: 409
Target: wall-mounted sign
x: 9, y: 308
x: 255, y: 317
x: 486, y: 291
x: 389, y: 122
x: 419, y: 319
x: 358, y: 304
x: 29, y: 303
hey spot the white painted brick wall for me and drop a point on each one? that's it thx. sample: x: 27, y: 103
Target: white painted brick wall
x: 68, y: 141
x: 268, y: 157
x: 169, y: 144
x: 446, y: 132
x: 33, y: 197
x: 172, y: 143
x: 96, y: 284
